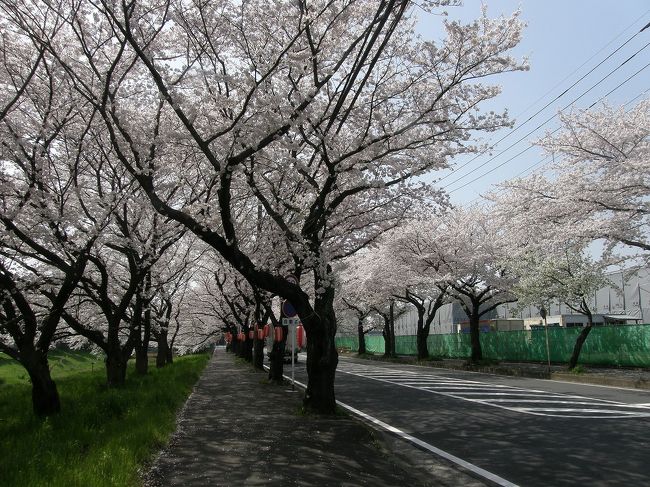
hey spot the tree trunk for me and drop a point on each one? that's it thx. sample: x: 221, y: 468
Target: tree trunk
x: 141, y: 360
x: 238, y: 346
x: 423, y: 348
x: 170, y: 355
x: 115, y: 369
x: 45, y: 396
x: 391, y: 327
x: 422, y: 335
x: 258, y: 354
x: 475, y: 337
x: 362, y: 338
x: 248, y: 349
x: 322, y: 357
x: 161, y: 356
x: 276, y: 362
x: 577, y: 348
x: 141, y: 353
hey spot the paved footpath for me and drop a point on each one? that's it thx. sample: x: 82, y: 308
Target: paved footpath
x: 238, y: 430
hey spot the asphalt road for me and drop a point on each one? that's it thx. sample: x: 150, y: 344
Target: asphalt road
x: 530, y: 432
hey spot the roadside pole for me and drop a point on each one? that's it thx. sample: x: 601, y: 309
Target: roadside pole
x: 292, y: 325
x: 542, y: 313
x: 290, y: 320
x: 293, y: 351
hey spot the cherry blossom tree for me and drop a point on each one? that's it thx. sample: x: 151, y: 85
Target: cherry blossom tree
x: 355, y: 302
x: 172, y: 277
x: 569, y: 274
x: 323, y: 111
x: 466, y: 248
x: 597, y: 188
x: 47, y: 235
x: 119, y: 284
x: 371, y: 285
x: 393, y: 271
x: 420, y: 283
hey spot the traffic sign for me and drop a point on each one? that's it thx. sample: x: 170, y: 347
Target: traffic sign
x: 290, y: 321
x: 288, y: 310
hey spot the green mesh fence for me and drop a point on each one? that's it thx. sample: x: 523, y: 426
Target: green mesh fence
x: 627, y: 345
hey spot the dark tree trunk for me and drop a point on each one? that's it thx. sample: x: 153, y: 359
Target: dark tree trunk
x: 362, y: 337
x: 169, y: 355
x: 142, y: 350
x: 142, y: 360
x: 161, y: 356
x: 475, y: 336
x: 423, y: 348
x: 391, y: 327
x: 322, y: 357
x: 422, y: 335
x: 276, y: 362
x: 577, y: 348
x: 240, y: 349
x: 115, y: 369
x: 258, y: 354
x: 248, y: 349
x: 45, y: 396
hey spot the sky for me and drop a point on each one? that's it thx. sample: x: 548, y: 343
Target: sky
x: 563, y: 40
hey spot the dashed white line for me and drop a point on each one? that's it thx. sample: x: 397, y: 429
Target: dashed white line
x: 502, y: 396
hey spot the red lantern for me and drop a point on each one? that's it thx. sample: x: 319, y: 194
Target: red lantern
x: 228, y: 337
x: 242, y: 337
x: 267, y: 330
x: 260, y: 334
x: 277, y: 334
x: 300, y: 337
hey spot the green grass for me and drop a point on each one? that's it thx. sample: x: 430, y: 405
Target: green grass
x: 102, y: 436
x: 62, y: 364
x: 578, y: 370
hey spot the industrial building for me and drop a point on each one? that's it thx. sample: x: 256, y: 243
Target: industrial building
x: 625, y: 301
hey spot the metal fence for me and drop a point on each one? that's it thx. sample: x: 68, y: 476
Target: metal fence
x: 625, y: 345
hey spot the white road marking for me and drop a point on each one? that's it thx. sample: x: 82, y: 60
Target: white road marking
x: 502, y: 396
x: 476, y: 470
x: 500, y: 481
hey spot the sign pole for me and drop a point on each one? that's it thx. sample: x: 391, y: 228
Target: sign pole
x: 293, y: 350
x: 289, y: 313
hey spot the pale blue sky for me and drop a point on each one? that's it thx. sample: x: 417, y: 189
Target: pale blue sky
x: 562, y: 36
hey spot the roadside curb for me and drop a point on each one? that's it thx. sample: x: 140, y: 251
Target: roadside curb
x: 602, y: 381
x: 559, y: 376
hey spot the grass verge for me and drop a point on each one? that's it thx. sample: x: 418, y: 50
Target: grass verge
x: 102, y: 436
x: 63, y: 363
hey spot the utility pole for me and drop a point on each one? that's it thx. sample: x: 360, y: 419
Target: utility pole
x: 542, y: 313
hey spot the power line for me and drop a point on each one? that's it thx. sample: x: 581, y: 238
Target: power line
x: 553, y: 101
x: 643, y: 15
x: 629, y: 102
x: 551, y: 118
x: 532, y: 166
x: 551, y: 133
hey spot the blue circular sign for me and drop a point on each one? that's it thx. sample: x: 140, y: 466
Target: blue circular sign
x: 288, y: 309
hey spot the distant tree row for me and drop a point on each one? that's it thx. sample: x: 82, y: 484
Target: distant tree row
x: 546, y: 237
